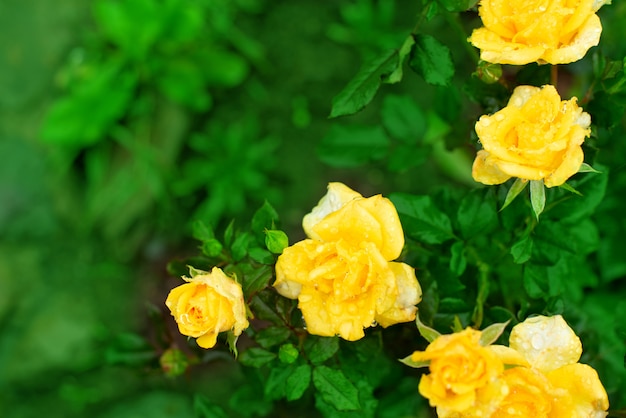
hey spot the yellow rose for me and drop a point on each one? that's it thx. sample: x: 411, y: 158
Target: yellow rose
x: 343, y: 276
x: 529, y: 394
x: 535, y: 137
x: 207, y: 305
x: 552, y: 347
x: 460, y: 370
x: 545, y: 31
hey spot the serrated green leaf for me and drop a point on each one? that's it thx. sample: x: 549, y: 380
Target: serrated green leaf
x: 490, y: 334
x: 414, y: 364
x: 432, y: 60
x: 477, y: 213
x: 429, y: 334
x: 458, y: 262
x: 363, y: 87
x: 537, y: 196
x: 264, y: 218
x: 353, y: 145
x: 276, y: 241
x: 335, y: 388
x: 256, y: 279
x: 320, y: 349
x: 522, y: 249
x: 275, y: 385
x: 256, y: 357
x: 403, y: 118
x: 516, y: 188
x: 421, y: 219
x: 298, y: 382
x: 572, y: 210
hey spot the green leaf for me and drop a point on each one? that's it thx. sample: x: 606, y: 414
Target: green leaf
x: 276, y: 241
x: 488, y: 72
x: 229, y: 233
x: 335, y: 389
x: 353, y: 145
x: 430, y: 334
x: 264, y: 218
x: 575, y: 208
x: 477, y: 213
x: 458, y: 5
x: 256, y: 278
x: 363, y: 87
x: 458, y: 262
x: 490, y: 334
x: 288, y: 353
x: 432, y: 60
x: 537, y: 196
x: 298, y: 382
x: 275, y: 385
x: 403, y: 118
x: 182, y: 81
x: 256, y: 357
x: 240, y: 246
x: 261, y: 255
x: 516, y: 188
x: 320, y: 349
x: 522, y: 249
x: 202, y: 231
x: 207, y: 409
x: 403, y: 54
x: 421, y: 219
x: 414, y: 364
x: 570, y: 189
x: 271, y: 336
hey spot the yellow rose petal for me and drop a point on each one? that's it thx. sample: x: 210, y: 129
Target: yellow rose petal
x: 483, y: 171
x: 582, y: 393
x: 548, y: 343
x: 336, y: 197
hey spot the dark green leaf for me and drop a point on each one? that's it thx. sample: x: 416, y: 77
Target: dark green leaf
x: 334, y: 388
x: 404, y: 157
x: 421, y: 219
x: 352, y: 145
x: 229, y: 233
x: 477, y: 213
x: 240, y: 246
x: 207, y: 409
x: 320, y: 349
x: 432, y: 60
x: 256, y: 357
x: 298, y: 382
x: 271, y: 336
x: 403, y: 118
x: 458, y: 5
x: 458, y: 262
x: 202, y: 231
x: 363, y: 87
x: 275, y: 385
x: 261, y: 255
x: 255, y: 279
x: 522, y: 249
x: 573, y: 208
x: 403, y: 54
x: 264, y: 218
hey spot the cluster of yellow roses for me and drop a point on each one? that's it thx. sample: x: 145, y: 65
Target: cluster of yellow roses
x: 343, y: 275
x: 536, y: 136
x: 538, y: 375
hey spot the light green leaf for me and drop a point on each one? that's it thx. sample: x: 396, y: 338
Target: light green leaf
x: 537, y: 196
x: 432, y: 60
x: 569, y: 188
x: 335, y: 388
x: 363, y: 87
x: 586, y: 168
x: 403, y: 54
x: 211, y: 248
x: 288, y: 353
x: 490, y: 334
x: 515, y: 189
x: 415, y: 364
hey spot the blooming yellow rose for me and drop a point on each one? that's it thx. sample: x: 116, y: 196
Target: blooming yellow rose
x: 207, y: 305
x: 535, y: 137
x: 530, y: 394
x: 552, y: 347
x: 343, y: 275
x: 545, y: 31
x: 460, y: 369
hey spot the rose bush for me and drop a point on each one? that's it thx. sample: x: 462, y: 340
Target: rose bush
x: 537, y: 136
x: 207, y: 305
x: 343, y: 275
x: 545, y: 31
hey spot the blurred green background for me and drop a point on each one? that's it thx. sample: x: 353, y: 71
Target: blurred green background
x: 122, y: 122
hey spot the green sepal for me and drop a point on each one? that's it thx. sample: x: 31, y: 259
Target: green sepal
x: 537, y: 196
x: 492, y: 333
x: 569, y: 188
x: 231, y: 339
x: 415, y: 364
x: 586, y: 168
x: 430, y: 334
x: 516, y: 188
